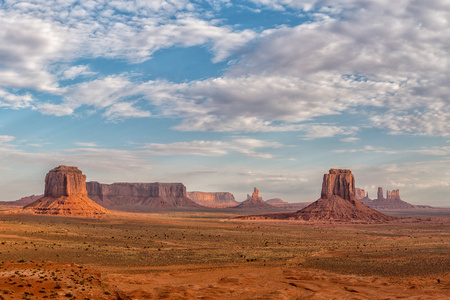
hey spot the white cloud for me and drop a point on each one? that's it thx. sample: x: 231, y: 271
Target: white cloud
x: 86, y: 144
x: 432, y: 150
x: 246, y: 146
x: 15, y: 101
x: 124, y: 110
x: 262, y: 103
x: 75, y: 71
x: 322, y: 131
x: 6, y: 138
x: 54, y: 109
x: 350, y: 139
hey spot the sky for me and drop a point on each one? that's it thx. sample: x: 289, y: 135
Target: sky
x: 225, y: 95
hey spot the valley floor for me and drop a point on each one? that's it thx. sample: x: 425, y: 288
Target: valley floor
x: 213, y: 256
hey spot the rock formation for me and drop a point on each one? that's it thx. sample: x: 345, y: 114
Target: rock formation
x: 339, y: 183
x: 360, y: 193
x: 391, y: 202
x: 380, y: 193
x: 214, y: 200
x: 255, y: 202
x: 140, y: 197
x: 65, y: 194
x: 336, y: 204
x: 393, y: 195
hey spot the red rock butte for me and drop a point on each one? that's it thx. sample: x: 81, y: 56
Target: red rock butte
x: 65, y: 194
x: 338, y: 202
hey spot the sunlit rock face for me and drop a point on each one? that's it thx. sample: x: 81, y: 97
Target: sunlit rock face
x: 140, y: 196
x: 215, y: 200
x: 65, y: 181
x: 65, y: 194
x: 339, y: 183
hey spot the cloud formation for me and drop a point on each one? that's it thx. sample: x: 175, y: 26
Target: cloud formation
x: 350, y: 56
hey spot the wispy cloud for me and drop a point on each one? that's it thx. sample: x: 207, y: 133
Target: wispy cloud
x: 246, y: 146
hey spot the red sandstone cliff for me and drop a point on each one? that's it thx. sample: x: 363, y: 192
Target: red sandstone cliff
x: 214, y: 200
x: 65, y: 194
x: 140, y: 196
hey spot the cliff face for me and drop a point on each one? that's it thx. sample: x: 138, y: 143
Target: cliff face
x: 215, y: 200
x: 65, y: 194
x: 340, y: 183
x: 65, y: 181
x: 140, y: 196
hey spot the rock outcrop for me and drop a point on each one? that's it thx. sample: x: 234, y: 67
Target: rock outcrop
x: 391, y: 202
x: 336, y: 204
x: 65, y: 194
x: 214, y: 200
x: 140, y: 197
x: 380, y: 193
x: 360, y: 193
x: 255, y: 202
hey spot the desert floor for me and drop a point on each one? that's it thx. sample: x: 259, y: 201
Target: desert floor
x: 186, y: 255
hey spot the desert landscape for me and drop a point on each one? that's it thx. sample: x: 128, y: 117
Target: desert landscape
x: 335, y: 248
x: 224, y: 149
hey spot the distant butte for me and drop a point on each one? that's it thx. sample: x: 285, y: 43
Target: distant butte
x: 255, y: 202
x: 65, y: 194
x: 336, y: 204
x: 391, y: 202
x: 213, y: 200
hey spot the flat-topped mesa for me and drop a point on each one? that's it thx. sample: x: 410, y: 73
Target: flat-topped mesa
x: 214, y: 200
x: 140, y: 196
x: 338, y: 183
x: 65, y: 181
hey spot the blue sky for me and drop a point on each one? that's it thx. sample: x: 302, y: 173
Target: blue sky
x: 226, y: 95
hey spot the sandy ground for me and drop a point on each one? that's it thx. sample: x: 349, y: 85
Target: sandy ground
x: 272, y: 282
x: 214, y: 256
x: 51, y: 280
